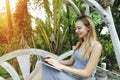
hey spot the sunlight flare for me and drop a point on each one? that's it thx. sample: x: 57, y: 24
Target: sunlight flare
x: 3, y: 4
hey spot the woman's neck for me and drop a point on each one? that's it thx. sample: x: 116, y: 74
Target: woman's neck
x: 82, y: 46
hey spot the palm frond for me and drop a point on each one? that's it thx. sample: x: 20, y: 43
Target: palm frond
x: 46, y: 6
x: 43, y: 32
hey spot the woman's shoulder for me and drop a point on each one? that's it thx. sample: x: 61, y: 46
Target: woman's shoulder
x: 97, y: 44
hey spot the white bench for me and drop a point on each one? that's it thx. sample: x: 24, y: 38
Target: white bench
x: 23, y: 57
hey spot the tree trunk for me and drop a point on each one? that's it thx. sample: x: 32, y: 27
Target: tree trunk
x: 10, y: 33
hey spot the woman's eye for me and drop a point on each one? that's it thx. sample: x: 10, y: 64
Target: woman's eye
x: 79, y: 28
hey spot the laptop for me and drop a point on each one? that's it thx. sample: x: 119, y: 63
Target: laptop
x: 47, y: 64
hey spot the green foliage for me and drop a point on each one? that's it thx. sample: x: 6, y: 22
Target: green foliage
x: 68, y: 21
x: 57, y: 33
x: 3, y: 49
x: 3, y: 73
x: 52, y: 32
x: 108, y: 54
x: 43, y: 31
x: 116, y: 17
x: 98, y: 23
x: 108, y: 51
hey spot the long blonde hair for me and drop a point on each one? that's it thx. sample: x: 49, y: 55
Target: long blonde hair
x: 91, y: 37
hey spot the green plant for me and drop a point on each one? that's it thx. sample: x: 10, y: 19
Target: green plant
x: 4, y: 73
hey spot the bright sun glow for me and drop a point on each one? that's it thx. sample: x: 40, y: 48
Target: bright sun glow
x: 3, y: 5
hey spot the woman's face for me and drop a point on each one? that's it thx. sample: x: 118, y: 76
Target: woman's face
x: 81, y: 29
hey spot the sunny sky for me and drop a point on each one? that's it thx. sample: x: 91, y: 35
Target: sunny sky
x: 35, y: 13
x: 3, y: 3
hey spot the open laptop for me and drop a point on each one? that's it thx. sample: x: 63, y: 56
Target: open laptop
x: 47, y: 64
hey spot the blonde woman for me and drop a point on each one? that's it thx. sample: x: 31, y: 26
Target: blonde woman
x: 84, y: 59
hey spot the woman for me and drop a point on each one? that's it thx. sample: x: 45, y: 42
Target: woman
x: 84, y: 59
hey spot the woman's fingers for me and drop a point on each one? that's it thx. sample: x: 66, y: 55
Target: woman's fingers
x: 54, y: 62
x: 48, y: 57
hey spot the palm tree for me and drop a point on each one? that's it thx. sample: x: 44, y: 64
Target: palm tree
x: 22, y: 20
x: 9, y: 21
x: 49, y: 32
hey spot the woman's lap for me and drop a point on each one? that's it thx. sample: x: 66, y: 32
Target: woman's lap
x: 52, y: 74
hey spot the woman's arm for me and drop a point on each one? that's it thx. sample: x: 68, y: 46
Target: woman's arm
x: 84, y: 73
x: 92, y: 63
x: 64, y: 62
x: 67, y: 62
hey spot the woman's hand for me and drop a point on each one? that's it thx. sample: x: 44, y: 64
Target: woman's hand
x: 54, y: 62
x: 48, y: 57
